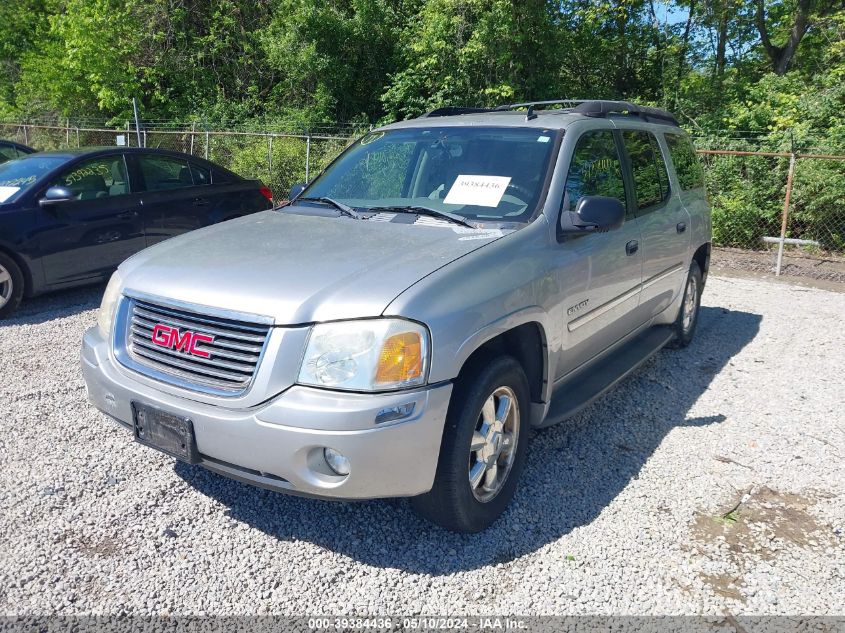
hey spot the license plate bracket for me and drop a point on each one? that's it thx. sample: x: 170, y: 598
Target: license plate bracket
x: 165, y: 432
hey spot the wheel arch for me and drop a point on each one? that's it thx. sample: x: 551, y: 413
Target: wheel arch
x: 528, y: 344
x: 702, y: 258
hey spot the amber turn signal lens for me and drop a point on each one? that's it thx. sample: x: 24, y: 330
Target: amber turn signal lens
x: 401, y: 359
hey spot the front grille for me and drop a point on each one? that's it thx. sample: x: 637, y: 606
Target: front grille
x: 233, y: 355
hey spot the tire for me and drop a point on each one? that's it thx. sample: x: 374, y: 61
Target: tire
x: 453, y: 502
x: 11, y: 285
x: 684, y: 326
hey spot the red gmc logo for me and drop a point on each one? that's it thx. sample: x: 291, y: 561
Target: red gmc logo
x: 172, y: 338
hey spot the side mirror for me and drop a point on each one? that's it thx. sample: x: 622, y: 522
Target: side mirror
x: 297, y: 189
x: 55, y: 195
x: 593, y: 214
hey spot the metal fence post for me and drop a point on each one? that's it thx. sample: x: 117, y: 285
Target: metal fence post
x: 269, y: 158
x: 193, y: 129
x: 206, y: 144
x: 790, y: 175
x: 77, y: 138
x: 308, y: 157
x: 25, y: 135
x: 67, y: 133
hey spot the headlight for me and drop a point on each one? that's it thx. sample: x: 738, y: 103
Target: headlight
x: 366, y: 355
x: 110, y: 297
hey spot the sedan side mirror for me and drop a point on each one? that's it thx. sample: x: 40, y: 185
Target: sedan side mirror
x: 297, y: 189
x: 55, y: 195
x: 593, y: 214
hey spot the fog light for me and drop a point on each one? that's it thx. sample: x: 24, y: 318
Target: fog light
x: 336, y: 461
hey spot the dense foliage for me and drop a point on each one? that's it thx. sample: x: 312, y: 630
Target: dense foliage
x: 771, y: 72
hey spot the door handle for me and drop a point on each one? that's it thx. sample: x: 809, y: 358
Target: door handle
x: 200, y: 202
x: 127, y: 215
x: 632, y: 247
x: 681, y: 227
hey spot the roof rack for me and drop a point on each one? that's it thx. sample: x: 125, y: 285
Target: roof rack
x: 587, y: 107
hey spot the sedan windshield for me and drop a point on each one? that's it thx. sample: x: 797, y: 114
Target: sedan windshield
x: 482, y: 174
x: 16, y: 176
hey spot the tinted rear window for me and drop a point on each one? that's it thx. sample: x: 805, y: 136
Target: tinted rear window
x: 687, y: 167
x: 650, y: 180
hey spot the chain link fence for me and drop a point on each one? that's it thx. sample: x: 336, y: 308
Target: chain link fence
x: 770, y: 195
x: 780, y: 197
x: 279, y: 158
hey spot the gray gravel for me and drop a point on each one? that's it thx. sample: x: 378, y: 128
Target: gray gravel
x: 710, y: 481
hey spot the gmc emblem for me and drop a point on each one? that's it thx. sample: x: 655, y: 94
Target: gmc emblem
x: 172, y: 338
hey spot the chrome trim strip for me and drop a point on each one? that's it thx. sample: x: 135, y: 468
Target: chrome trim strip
x: 200, y: 310
x: 149, y: 319
x: 661, y: 276
x: 574, y: 324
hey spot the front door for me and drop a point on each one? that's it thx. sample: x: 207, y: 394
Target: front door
x: 664, y: 223
x: 602, y: 270
x: 88, y: 237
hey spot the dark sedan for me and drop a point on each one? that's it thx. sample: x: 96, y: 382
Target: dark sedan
x: 68, y: 218
x: 9, y: 150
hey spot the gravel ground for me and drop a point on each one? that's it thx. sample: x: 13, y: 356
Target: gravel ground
x: 711, y: 481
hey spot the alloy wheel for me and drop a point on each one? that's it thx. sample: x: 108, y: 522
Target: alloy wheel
x: 6, y: 287
x: 690, y: 303
x: 493, y: 445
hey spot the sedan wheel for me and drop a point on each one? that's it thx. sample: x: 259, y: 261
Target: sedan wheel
x: 6, y: 286
x: 11, y: 285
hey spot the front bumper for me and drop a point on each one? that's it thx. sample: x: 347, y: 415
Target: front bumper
x: 279, y: 444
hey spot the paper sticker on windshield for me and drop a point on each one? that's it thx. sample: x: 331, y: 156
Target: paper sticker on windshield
x: 481, y: 191
x: 8, y: 192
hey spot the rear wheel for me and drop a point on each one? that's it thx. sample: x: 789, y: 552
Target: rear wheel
x: 484, y: 447
x: 11, y: 285
x: 684, y: 325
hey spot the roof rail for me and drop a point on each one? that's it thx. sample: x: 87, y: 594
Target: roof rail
x: 587, y: 107
x: 453, y: 111
x: 599, y: 108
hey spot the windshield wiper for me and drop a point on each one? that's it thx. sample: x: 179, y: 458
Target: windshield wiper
x: 344, y: 209
x: 434, y: 213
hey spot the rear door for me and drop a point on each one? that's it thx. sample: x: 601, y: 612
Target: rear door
x: 181, y: 195
x: 86, y: 238
x: 172, y: 204
x: 601, y: 271
x: 664, y: 222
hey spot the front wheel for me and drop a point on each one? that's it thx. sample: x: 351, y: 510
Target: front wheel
x: 11, y: 285
x: 485, y: 443
x: 684, y: 325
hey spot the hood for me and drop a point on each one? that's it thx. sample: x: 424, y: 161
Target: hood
x: 298, y: 268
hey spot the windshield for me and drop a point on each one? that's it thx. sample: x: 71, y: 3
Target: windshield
x: 16, y: 176
x: 482, y: 174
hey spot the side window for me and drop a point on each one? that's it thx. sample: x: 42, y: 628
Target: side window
x: 102, y: 177
x: 201, y: 175
x: 647, y: 184
x: 595, y: 170
x: 7, y: 153
x: 164, y: 172
x: 687, y: 166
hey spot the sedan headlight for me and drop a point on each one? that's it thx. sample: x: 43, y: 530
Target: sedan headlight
x: 366, y: 355
x: 105, y: 318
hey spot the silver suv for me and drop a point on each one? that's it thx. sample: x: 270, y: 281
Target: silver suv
x: 446, y: 286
